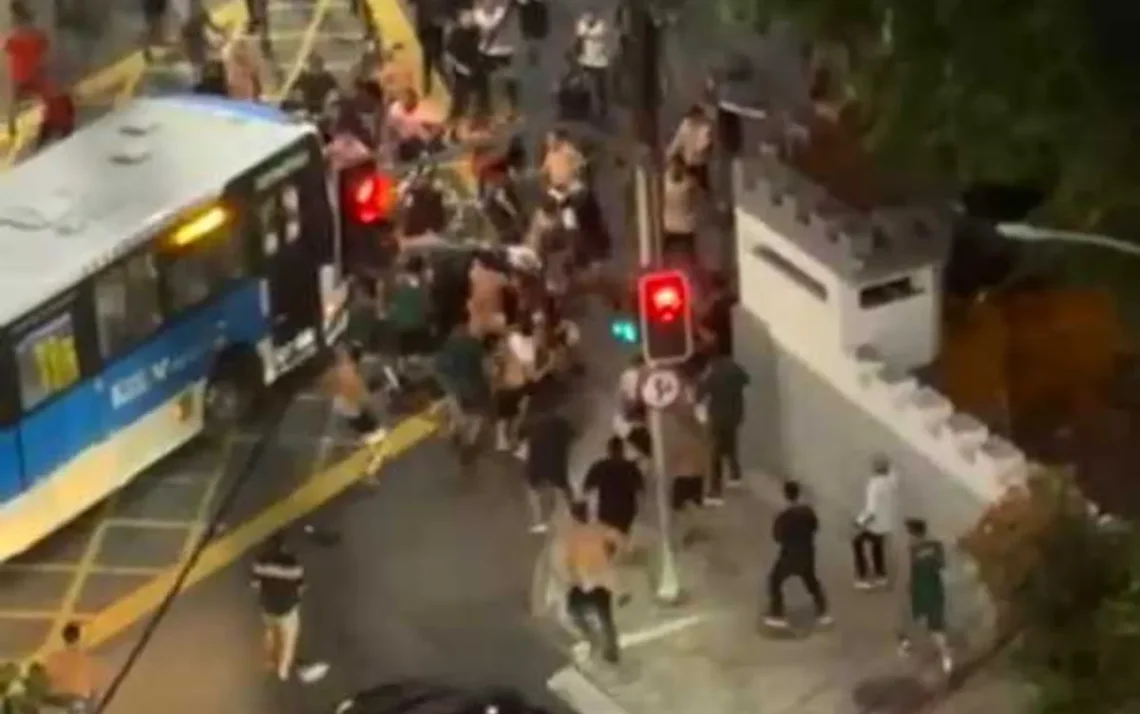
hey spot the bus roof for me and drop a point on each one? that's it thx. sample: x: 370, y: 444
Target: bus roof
x: 115, y: 183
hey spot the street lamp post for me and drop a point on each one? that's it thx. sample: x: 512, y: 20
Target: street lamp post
x: 644, y: 41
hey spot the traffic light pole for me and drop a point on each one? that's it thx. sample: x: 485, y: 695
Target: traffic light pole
x: 647, y: 187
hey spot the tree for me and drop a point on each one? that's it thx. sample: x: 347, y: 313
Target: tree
x: 963, y: 91
x: 1069, y: 585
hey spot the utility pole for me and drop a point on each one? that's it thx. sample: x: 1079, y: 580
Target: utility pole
x: 644, y: 41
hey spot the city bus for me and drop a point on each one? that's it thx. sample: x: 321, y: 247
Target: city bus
x: 158, y: 269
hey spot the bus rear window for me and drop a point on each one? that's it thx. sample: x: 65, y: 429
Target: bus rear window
x: 47, y: 360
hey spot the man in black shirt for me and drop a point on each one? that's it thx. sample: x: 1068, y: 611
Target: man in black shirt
x: 794, y: 531
x: 614, y: 486
x: 279, y: 580
x: 430, y: 19
x: 470, y: 89
x: 549, y: 435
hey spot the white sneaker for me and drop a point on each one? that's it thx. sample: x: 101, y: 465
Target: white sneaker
x: 825, y: 621
x: 947, y: 665
x: 313, y: 672
x: 880, y: 583
x: 714, y: 501
x: 863, y: 585
x: 539, y: 528
x: 777, y: 623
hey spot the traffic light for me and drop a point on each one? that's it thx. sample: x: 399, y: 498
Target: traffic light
x: 371, y: 197
x: 624, y: 330
x: 666, y: 317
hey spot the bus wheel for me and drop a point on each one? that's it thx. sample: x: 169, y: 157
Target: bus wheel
x: 230, y: 394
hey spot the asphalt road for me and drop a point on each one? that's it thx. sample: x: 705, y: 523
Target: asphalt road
x: 423, y: 575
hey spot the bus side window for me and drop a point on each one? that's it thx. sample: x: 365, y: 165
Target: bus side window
x: 47, y: 360
x: 126, y: 304
x: 267, y: 224
x: 291, y: 213
x: 200, y: 270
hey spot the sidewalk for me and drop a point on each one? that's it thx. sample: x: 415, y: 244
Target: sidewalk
x: 710, y: 655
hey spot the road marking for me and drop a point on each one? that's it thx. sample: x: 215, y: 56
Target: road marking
x: 157, y: 524
x: 202, y: 514
x: 82, y: 571
x: 581, y: 694
x: 646, y: 635
x: 31, y: 615
x: 228, y: 548
x: 320, y: 9
x: 65, y: 568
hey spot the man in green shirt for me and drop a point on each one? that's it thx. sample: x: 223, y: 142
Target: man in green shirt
x: 409, y: 312
x: 721, y: 390
x: 927, y: 591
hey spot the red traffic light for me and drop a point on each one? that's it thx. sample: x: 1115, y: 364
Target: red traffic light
x: 372, y: 198
x: 665, y: 296
x: 666, y: 317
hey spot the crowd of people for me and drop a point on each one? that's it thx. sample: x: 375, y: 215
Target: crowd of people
x: 493, y: 325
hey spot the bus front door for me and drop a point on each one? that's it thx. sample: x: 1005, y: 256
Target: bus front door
x: 294, y: 295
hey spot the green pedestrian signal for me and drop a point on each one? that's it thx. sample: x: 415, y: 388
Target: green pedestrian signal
x: 624, y: 330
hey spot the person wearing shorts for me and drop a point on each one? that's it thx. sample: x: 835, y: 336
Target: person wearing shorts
x: 687, y: 462
x: 350, y: 400
x: 548, y: 436
x: 462, y: 370
x: 519, y: 368
x: 927, y: 591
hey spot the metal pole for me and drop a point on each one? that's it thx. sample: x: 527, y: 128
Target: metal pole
x: 647, y: 188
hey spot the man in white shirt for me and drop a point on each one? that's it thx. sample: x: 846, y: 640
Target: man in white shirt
x: 594, y: 49
x: 874, y: 526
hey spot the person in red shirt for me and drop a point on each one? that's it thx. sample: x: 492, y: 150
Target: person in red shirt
x: 25, y: 51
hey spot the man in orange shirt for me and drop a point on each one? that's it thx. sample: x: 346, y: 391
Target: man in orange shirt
x: 73, y: 674
x: 25, y: 50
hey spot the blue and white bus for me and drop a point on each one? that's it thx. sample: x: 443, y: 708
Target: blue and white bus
x: 157, y: 269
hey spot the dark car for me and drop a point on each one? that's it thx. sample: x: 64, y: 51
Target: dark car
x: 424, y: 697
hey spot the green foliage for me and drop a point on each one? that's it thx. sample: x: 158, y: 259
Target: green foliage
x: 1069, y: 585
x: 968, y: 90
x: 23, y: 688
x: 1081, y: 614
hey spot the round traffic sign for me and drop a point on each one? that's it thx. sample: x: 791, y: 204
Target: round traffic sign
x: 661, y: 388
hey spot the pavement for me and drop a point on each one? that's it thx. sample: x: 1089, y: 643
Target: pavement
x: 710, y: 653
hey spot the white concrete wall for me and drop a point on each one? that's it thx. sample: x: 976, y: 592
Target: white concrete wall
x: 823, y: 424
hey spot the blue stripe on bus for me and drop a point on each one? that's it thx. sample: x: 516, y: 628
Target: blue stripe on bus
x: 233, y: 107
x: 10, y: 483
x: 133, y: 386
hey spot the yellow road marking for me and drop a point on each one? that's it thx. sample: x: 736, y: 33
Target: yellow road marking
x: 156, y: 524
x: 320, y: 489
x: 80, y: 574
x: 26, y: 615
x: 67, y: 568
x: 202, y: 516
